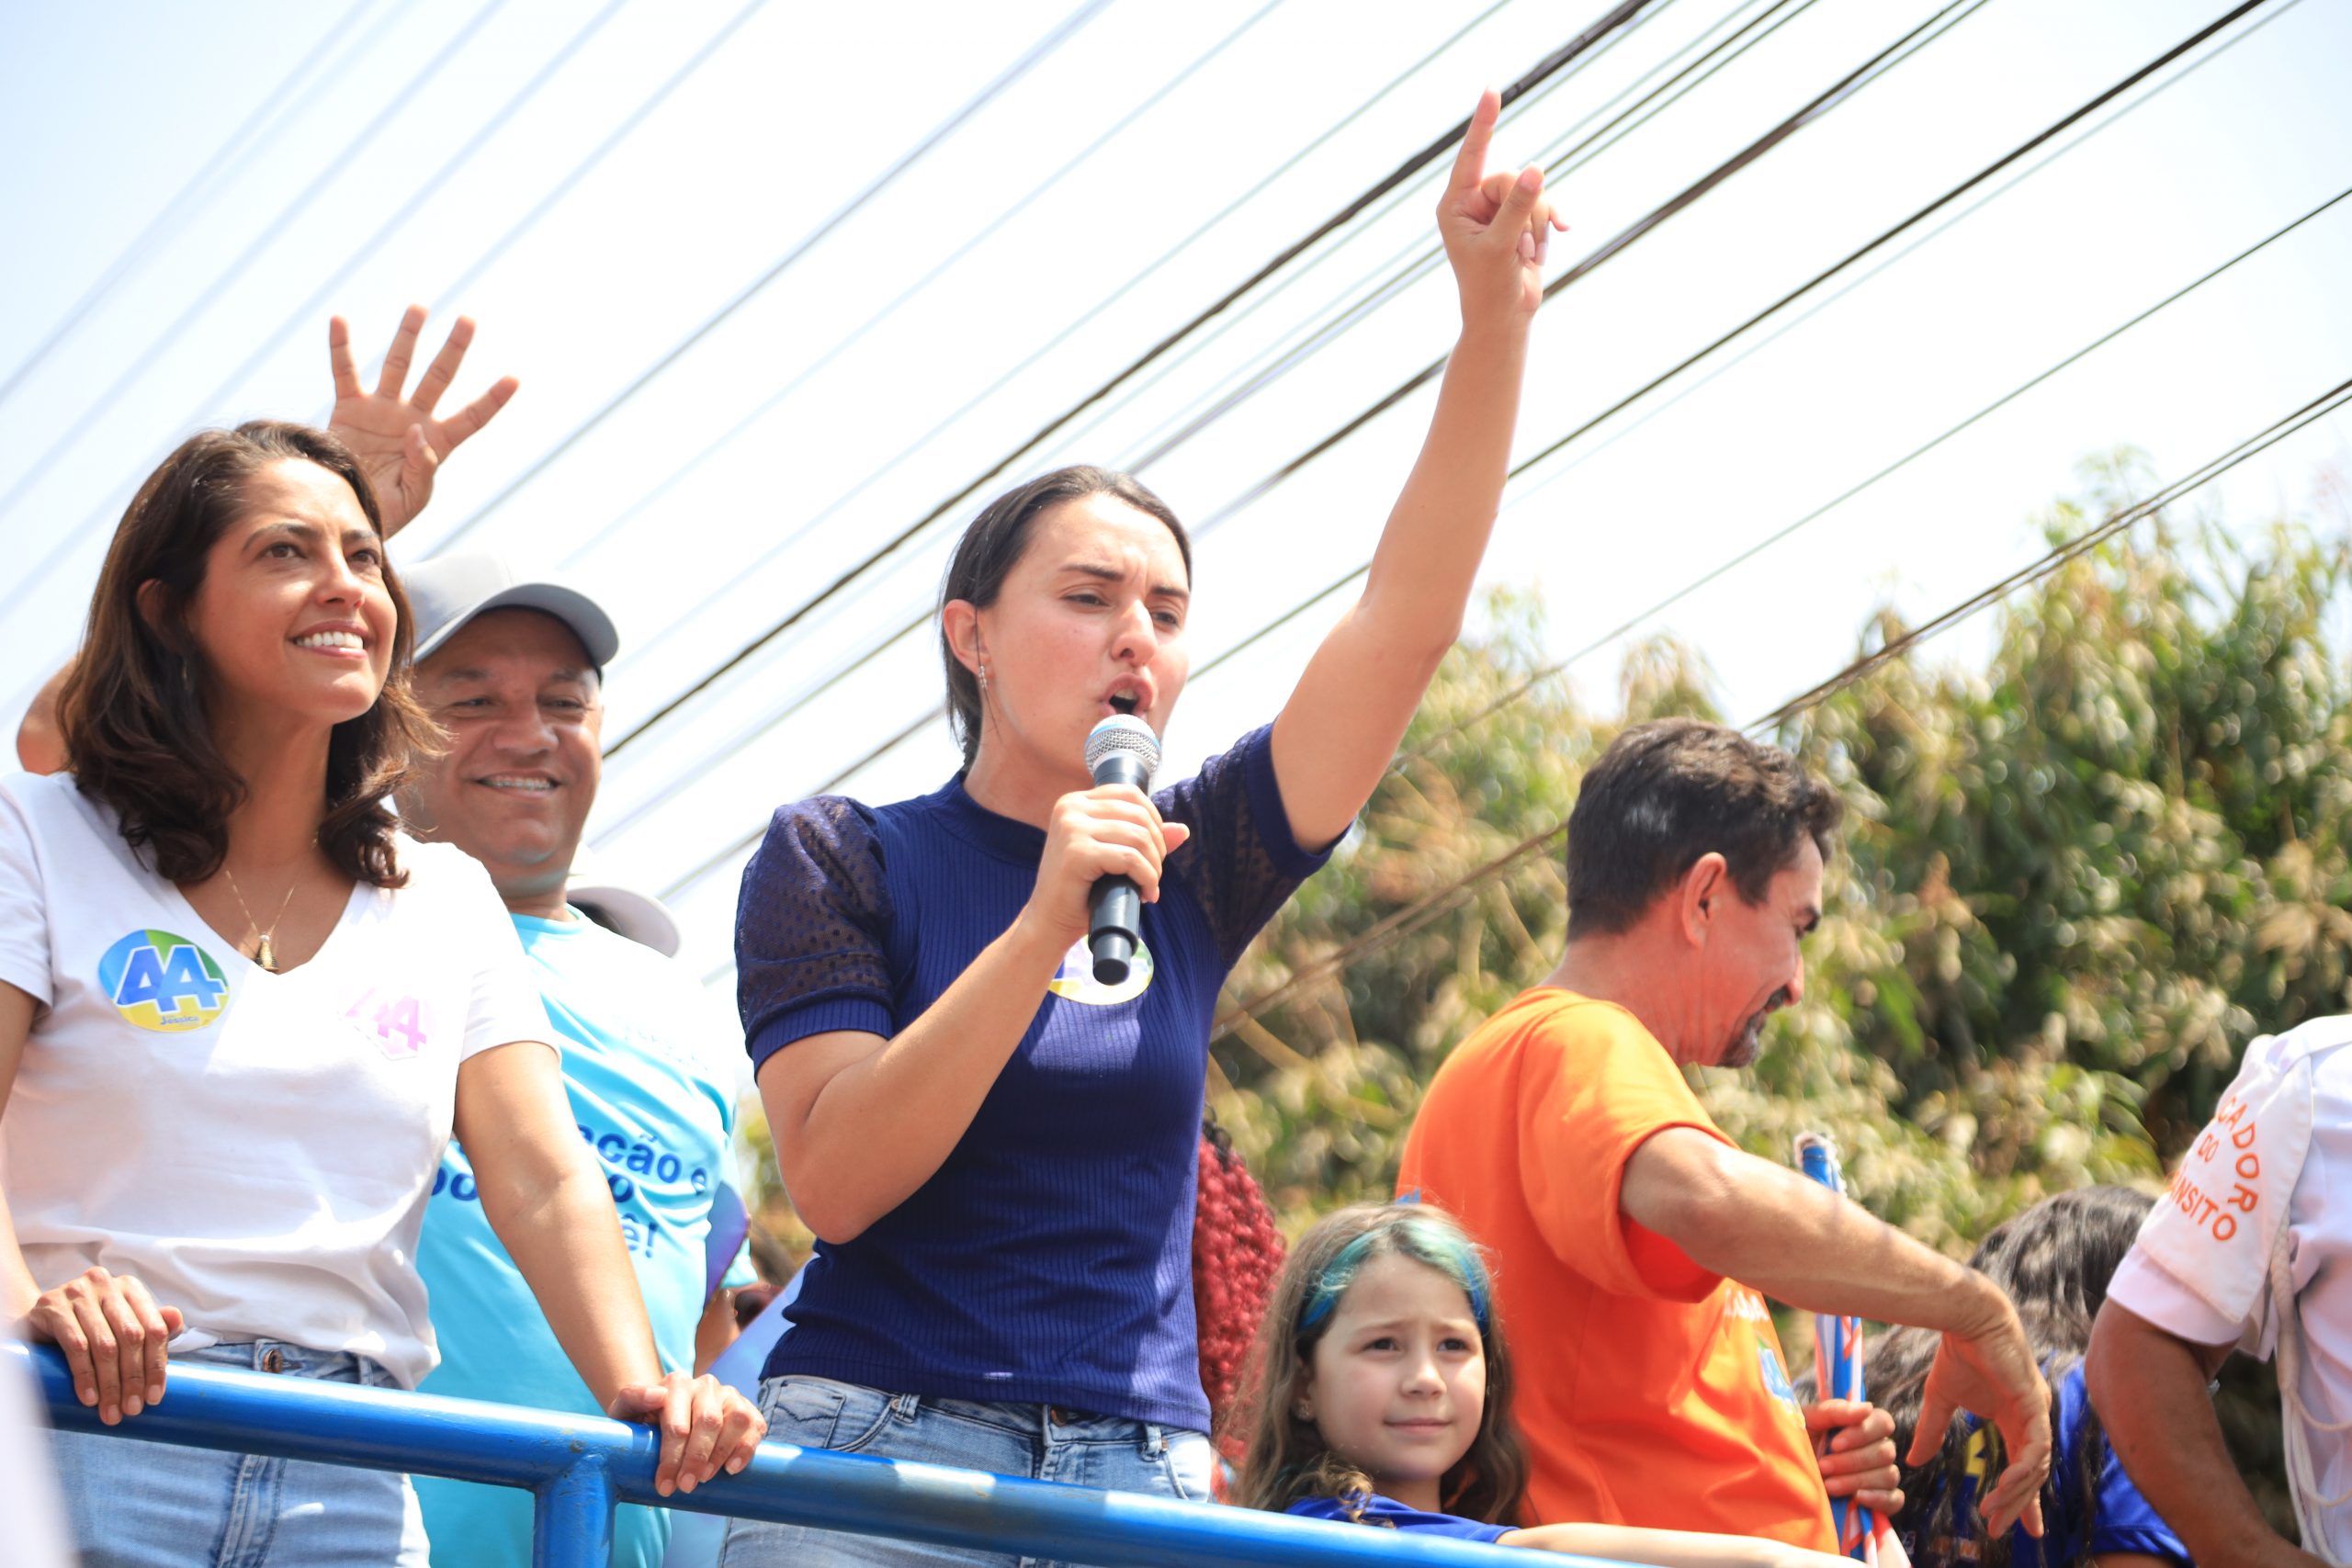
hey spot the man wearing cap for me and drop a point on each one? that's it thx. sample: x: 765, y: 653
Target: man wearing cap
x: 511, y: 667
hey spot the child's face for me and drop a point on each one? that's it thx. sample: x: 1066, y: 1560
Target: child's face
x: 1398, y: 1384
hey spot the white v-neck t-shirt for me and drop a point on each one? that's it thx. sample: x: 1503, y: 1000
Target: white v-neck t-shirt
x: 255, y: 1148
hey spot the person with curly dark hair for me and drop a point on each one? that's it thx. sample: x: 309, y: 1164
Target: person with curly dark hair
x: 2055, y: 1261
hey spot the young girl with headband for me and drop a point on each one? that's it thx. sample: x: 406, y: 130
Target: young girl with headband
x: 1381, y: 1396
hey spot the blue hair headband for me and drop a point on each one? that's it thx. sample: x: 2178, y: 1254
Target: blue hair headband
x: 1439, y: 1246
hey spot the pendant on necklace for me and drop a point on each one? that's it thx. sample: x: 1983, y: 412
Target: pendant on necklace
x: 264, y: 955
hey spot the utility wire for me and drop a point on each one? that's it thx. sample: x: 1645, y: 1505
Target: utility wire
x: 278, y: 103
x: 305, y: 314
x: 1731, y: 564
x: 335, y: 167
x: 1861, y: 75
x: 1783, y: 302
x: 1369, y: 220
x: 693, y: 616
x: 1420, y: 259
x: 1870, y: 70
x: 858, y: 334
x: 1919, y: 242
x: 1616, y: 17
x: 1418, y: 913
x: 1035, y: 56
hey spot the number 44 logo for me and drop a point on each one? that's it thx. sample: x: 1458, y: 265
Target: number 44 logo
x: 396, y: 1024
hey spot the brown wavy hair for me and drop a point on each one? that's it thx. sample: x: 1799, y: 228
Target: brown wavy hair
x: 1285, y: 1458
x: 132, y: 711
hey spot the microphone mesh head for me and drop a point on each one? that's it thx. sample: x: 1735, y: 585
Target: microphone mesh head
x: 1122, y: 732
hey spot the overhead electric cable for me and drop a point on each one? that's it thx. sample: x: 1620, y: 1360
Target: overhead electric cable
x: 1751, y: 552
x: 334, y: 167
x: 1616, y: 17
x: 1072, y: 330
x: 305, y: 315
x: 1750, y: 323
x: 1420, y: 259
x: 1412, y: 916
x: 279, y: 102
x: 1870, y: 70
x: 1037, y: 54
x: 1820, y: 104
x: 1233, y: 320
x: 858, y: 334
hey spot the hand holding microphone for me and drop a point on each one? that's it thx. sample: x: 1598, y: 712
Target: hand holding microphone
x: 1102, y: 841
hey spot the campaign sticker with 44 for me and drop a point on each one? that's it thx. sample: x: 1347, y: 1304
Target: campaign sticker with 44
x: 162, y: 982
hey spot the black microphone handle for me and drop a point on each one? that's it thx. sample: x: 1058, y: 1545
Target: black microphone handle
x: 1114, y: 923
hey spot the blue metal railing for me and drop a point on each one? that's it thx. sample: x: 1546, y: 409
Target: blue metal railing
x: 580, y: 1467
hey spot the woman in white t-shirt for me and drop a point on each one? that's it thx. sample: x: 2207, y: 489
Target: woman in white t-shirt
x: 240, y: 1014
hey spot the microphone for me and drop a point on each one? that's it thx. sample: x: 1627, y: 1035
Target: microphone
x: 1120, y: 749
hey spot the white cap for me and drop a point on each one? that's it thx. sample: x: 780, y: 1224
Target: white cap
x: 640, y: 917
x: 447, y: 592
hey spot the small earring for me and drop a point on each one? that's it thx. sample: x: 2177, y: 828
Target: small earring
x: 984, y: 677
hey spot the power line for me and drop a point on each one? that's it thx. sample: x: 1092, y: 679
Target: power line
x: 1616, y: 17
x: 1369, y: 220
x: 1870, y: 70
x: 1035, y: 56
x: 692, y: 616
x: 334, y: 168
x: 1750, y: 324
x: 1411, y: 918
x: 857, y: 334
x: 304, y: 314
x: 923, y: 614
x: 274, y: 105
x: 1732, y: 563
x: 1420, y: 259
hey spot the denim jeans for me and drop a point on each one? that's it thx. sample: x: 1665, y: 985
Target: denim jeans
x: 1033, y: 1442
x: 140, y: 1504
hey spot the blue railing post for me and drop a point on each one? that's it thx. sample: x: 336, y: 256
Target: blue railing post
x: 572, y: 1525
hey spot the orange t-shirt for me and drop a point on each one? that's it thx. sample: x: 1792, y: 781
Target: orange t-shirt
x: 1649, y: 1392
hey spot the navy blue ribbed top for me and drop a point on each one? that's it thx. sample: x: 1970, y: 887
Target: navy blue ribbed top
x: 1049, y: 1259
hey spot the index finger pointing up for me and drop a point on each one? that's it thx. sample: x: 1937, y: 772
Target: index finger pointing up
x: 1470, y: 164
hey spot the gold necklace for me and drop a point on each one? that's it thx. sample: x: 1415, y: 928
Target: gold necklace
x: 264, y: 950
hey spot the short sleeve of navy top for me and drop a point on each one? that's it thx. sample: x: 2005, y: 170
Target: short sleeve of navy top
x: 1049, y: 1259
x: 2118, y: 1519
x: 1388, y: 1512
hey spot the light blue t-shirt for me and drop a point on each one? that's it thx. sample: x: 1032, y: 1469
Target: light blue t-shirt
x: 648, y: 1062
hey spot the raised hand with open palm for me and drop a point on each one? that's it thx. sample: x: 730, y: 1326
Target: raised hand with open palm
x: 396, y: 439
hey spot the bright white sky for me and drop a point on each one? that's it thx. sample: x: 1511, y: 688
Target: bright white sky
x: 384, y: 157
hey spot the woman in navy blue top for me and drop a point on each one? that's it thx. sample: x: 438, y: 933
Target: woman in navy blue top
x: 998, y: 1154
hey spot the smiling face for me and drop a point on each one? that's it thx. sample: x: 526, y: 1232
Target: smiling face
x: 293, y: 618
x: 1397, y: 1382
x: 524, y: 710
x: 1753, y: 961
x: 1088, y: 623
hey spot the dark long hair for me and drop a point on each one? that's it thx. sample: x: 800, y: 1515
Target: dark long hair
x: 1285, y: 1459
x: 132, y: 711
x: 2055, y: 1261
x: 993, y: 545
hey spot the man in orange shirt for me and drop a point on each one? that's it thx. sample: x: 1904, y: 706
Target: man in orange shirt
x: 1629, y: 1236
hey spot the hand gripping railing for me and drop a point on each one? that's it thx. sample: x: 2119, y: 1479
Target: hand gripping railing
x: 579, y: 1467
